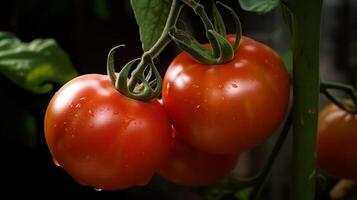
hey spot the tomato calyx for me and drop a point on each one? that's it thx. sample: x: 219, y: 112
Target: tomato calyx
x: 139, y: 79
x: 221, y: 51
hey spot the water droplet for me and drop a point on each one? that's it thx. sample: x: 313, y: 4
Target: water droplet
x: 56, y: 163
x: 82, y: 98
x: 98, y: 189
x: 234, y: 85
x: 64, y: 123
x: 55, y: 125
x: 198, y: 106
x: 90, y: 112
x: 205, y: 100
x: 195, y: 86
x: 71, y: 105
x: 72, y: 135
x: 220, y: 86
x: 78, y: 105
x: 65, y: 129
x: 222, y: 98
x: 115, y: 112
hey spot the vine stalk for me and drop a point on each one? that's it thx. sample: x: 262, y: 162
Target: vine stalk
x: 303, y: 19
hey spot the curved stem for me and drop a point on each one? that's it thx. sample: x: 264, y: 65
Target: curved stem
x: 258, y: 181
x: 348, y: 89
x: 263, y: 176
x: 199, y: 10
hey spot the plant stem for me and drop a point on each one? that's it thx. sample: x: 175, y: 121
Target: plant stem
x: 304, y: 23
x: 160, y: 44
x: 165, y: 39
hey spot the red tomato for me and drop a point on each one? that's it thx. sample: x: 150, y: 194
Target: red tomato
x: 337, y: 142
x: 104, y: 139
x: 191, y: 167
x: 229, y: 107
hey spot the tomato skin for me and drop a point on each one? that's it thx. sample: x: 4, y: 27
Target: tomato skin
x: 104, y: 139
x: 337, y: 142
x: 230, y: 107
x: 191, y: 167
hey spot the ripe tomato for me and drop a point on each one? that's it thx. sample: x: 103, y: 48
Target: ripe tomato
x: 191, y: 167
x: 104, y: 139
x: 337, y: 142
x: 229, y: 107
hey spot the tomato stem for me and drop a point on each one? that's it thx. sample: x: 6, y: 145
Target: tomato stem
x: 348, y: 89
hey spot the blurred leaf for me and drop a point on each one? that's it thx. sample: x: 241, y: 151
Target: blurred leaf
x: 244, y: 194
x: 287, y: 58
x: 223, y: 188
x: 151, y: 16
x: 100, y: 8
x: 258, y: 6
x: 18, y: 124
x: 34, y: 66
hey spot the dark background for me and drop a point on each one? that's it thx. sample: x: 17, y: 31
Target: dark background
x: 87, y: 31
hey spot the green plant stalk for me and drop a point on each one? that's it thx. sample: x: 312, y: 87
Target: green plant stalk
x: 304, y: 21
x: 160, y: 44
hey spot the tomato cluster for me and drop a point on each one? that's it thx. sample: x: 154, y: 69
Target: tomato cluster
x: 109, y: 141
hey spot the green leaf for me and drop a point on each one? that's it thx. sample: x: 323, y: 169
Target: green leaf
x: 258, y: 6
x: 34, y: 66
x: 101, y: 10
x: 151, y: 16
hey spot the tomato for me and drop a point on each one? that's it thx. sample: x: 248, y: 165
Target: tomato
x: 191, y: 167
x: 230, y: 107
x: 337, y: 142
x: 104, y: 139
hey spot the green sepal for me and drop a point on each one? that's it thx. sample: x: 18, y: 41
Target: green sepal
x: 222, y: 49
x: 142, y: 89
x: 237, y: 25
x: 218, y: 22
x: 189, y: 44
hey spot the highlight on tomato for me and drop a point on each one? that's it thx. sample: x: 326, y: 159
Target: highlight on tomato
x: 231, y: 107
x: 104, y: 139
x: 191, y: 167
x: 337, y: 142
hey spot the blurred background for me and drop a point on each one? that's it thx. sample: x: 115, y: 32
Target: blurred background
x: 87, y: 30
